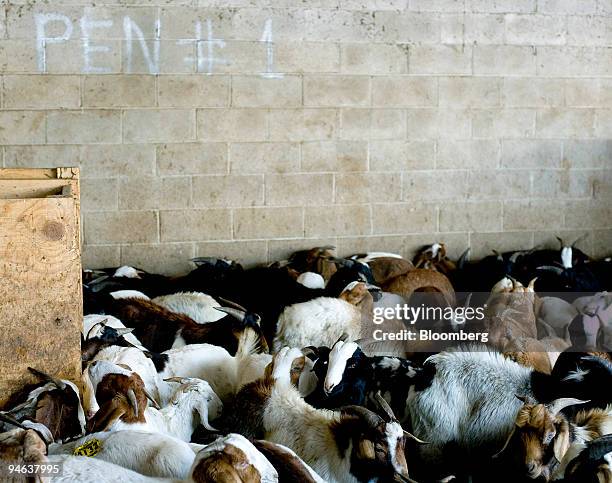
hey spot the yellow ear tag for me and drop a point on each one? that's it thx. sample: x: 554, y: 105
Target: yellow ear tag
x: 89, y: 448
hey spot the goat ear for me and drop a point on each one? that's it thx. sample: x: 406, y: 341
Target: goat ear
x: 106, y: 416
x: 559, y: 404
x: 204, y: 419
x: 561, y: 444
x: 365, y: 449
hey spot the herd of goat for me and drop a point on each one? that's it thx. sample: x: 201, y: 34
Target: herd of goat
x: 266, y: 374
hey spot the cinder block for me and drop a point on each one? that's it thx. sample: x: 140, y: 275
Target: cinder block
x: 358, y: 124
x: 80, y: 127
x: 525, y: 153
x: 368, y: 187
x: 22, y: 127
x: 440, y: 59
x: 603, y: 123
x: 469, y: 92
x: 484, y: 29
x: 496, y: 184
x: 532, y: 215
x: 404, y: 218
x: 506, y: 123
x: 438, y: 123
x: 477, y: 153
x: 230, y: 190
x: 264, y: 157
x: 282, y: 249
x: 339, y: 220
x: 94, y: 198
x: 570, y: 7
x: 336, y: 91
x: 406, y: 27
x: 193, y: 90
x: 591, y: 214
x: 506, y: 60
x: 404, y: 91
x: 159, y: 125
x: 564, y: 184
x: 111, y: 227
x: 302, y: 57
x: 570, y: 123
x: 589, y: 30
x: 232, y: 124
x: 602, y: 184
x: 434, y: 185
x: 302, y: 124
x: 501, y: 6
x: 299, y: 189
x: 535, y: 29
x: 584, y: 93
x: 605, y: 93
x: 192, y: 158
x: 438, y: 5
x: 164, y: 258
x: 257, y: 91
x: 195, y: 225
x: 42, y: 156
x: 532, y: 92
x: 483, y: 244
x: 401, y: 155
x: 41, y: 92
x: 339, y: 156
x: 117, y: 160
x: 151, y: 192
x: 587, y: 153
x: 268, y: 222
x: 480, y: 216
x: 560, y: 61
x: 18, y: 56
x: 604, y: 7
x: 100, y: 256
x: 119, y: 91
x: 378, y: 59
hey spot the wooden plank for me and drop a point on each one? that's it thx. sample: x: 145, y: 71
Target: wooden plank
x: 33, y: 188
x: 39, y: 173
x: 40, y: 286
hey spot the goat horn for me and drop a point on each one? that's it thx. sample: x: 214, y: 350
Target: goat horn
x: 46, y: 377
x: 559, y: 404
x: 199, y: 260
x: 10, y: 420
x: 550, y: 268
x: 399, y: 478
x: 560, y: 241
x: 152, y: 399
x: 506, y: 443
x: 412, y: 436
x: 131, y: 395
x: 580, y: 238
x: 532, y: 283
x: 232, y: 304
x: 369, y: 417
x: 125, y: 330
x: 342, y: 338
x: 96, y: 281
x: 384, y: 405
x: 101, y: 323
x: 177, y: 379
x: 468, y: 299
x: 464, y: 257
x: 233, y: 312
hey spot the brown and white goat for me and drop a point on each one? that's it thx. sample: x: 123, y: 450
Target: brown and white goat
x: 542, y: 434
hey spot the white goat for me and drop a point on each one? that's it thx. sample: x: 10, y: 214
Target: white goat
x: 199, y: 306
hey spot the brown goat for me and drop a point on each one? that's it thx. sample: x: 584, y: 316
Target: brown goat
x: 433, y: 257
x: 422, y: 280
x: 121, y: 397
x: 22, y: 446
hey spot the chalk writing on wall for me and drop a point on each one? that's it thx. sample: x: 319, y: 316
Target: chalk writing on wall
x: 208, y: 48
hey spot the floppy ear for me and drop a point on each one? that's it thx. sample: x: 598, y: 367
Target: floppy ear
x: 366, y: 449
x: 107, y: 415
x: 561, y: 444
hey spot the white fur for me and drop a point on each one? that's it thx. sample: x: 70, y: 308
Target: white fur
x: 150, y: 454
x: 129, y: 294
x: 194, y: 402
x: 90, y: 320
x: 127, y: 272
x: 311, y: 280
x: 566, y: 257
x: 471, y: 400
x: 76, y: 469
x: 199, y: 306
x: 557, y: 313
x: 318, y: 322
x: 339, y: 355
x: 435, y: 248
x: 373, y: 255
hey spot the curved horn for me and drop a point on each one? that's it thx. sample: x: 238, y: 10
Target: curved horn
x: 101, y: 323
x: 532, y: 284
x: 384, y: 405
x: 464, y: 257
x: 506, y: 443
x: 342, y: 338
x: 550, y: 268
x: 46, y: 377
x: 468, y: 299
x: 412, y: 436
x: 10, y: 420
x: 179, y: 380
x: 559, y: 404
x: 233, y: 312
x: 152, y: 399
x: 131, y: 395
x: 232, y: 304
x: 560, y: 241
x: 369, y: 417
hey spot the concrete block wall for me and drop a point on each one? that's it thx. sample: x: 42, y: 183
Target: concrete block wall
x: 251, y: 128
